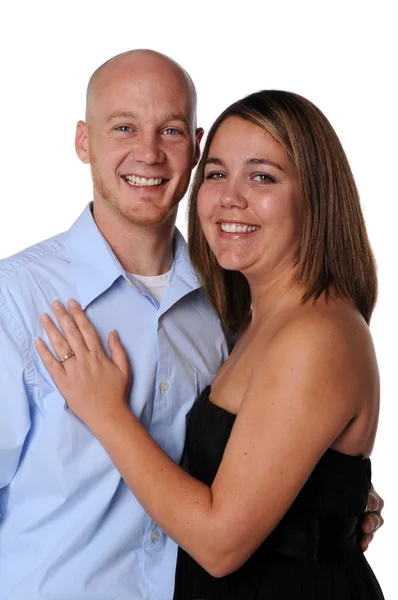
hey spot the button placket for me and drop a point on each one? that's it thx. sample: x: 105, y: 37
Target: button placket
x: 164, y: 386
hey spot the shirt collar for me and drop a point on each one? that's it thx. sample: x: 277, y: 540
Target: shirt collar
x: 183, y: 279
x: 95, y: 267
x: 182, y: 267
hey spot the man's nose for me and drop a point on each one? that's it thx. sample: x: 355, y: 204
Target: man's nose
x: 147, y: 149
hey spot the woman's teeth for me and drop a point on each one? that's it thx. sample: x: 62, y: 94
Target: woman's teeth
x: 238, y: 228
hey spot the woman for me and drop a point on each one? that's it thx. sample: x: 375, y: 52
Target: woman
x: 277, y: 449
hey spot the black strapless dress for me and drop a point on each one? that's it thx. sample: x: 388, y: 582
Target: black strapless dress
x: 313, y: 554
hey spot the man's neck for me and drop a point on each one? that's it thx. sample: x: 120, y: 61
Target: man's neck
x: 142, y: 250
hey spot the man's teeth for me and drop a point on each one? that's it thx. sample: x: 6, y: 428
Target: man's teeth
x: 236, y: 228
x: 141, y: 181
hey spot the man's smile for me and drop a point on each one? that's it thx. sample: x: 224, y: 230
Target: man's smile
x: 143, y: 181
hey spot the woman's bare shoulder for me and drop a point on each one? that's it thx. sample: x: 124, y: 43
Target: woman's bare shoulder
x: 332, y: 325
x: 328, y: 341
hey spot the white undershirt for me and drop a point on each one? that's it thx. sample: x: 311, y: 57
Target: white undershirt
x: 155, y: 284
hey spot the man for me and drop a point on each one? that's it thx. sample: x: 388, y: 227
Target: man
x: 69, y: 527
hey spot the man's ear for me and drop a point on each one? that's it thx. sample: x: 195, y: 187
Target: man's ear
x: 81, y: 142
x: 198, y: 137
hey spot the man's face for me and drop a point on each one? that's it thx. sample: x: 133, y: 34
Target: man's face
x: 140, y: 143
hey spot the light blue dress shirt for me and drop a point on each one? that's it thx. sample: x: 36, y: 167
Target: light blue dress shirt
x: 70, y: 529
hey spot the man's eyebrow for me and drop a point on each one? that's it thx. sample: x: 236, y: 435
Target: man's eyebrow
x: 178, y: 117
x: 123, y: 114
x: 120, y: 114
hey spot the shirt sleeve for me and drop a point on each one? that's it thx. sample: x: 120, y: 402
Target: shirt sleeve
x: 15, y: 371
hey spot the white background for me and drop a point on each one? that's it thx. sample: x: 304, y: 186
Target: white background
x: 341, y: 55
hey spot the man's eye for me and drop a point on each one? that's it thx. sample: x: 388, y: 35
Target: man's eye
x: 171, y: 131
x: 124, y: 128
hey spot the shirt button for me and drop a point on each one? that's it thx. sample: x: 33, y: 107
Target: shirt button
x: 155, y: 536
x: 164, y: 386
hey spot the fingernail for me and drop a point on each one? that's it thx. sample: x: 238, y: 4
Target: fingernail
x: 115, y: 334
x: 45, y: 318
x: 56, y: 304
x: 73, y: 303
x: 39, y: 341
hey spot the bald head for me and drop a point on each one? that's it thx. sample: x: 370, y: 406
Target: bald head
x: 137, y: 64
x: 140, y: 126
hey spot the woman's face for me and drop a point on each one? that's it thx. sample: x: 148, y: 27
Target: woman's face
x: 249, y: 204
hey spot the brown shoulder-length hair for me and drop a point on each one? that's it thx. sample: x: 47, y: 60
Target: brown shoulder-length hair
x: 334, y: 252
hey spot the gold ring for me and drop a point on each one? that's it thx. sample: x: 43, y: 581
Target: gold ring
x: 67, y: 356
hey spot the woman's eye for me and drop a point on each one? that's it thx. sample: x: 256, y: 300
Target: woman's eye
x: 215, y: 176
x: 263, y: 178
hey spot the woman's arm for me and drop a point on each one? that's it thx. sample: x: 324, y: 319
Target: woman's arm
x: 293, y: 410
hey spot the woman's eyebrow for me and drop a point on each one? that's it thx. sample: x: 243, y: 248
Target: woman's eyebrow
x: 214, y: 161
x: 250, y: 161
x: 263, y: 161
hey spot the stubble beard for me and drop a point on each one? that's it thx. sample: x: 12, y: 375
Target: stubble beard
x: 144, y: 216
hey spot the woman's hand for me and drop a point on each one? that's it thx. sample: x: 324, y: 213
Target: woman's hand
x: 372, y: 519
x: 93, y: 386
